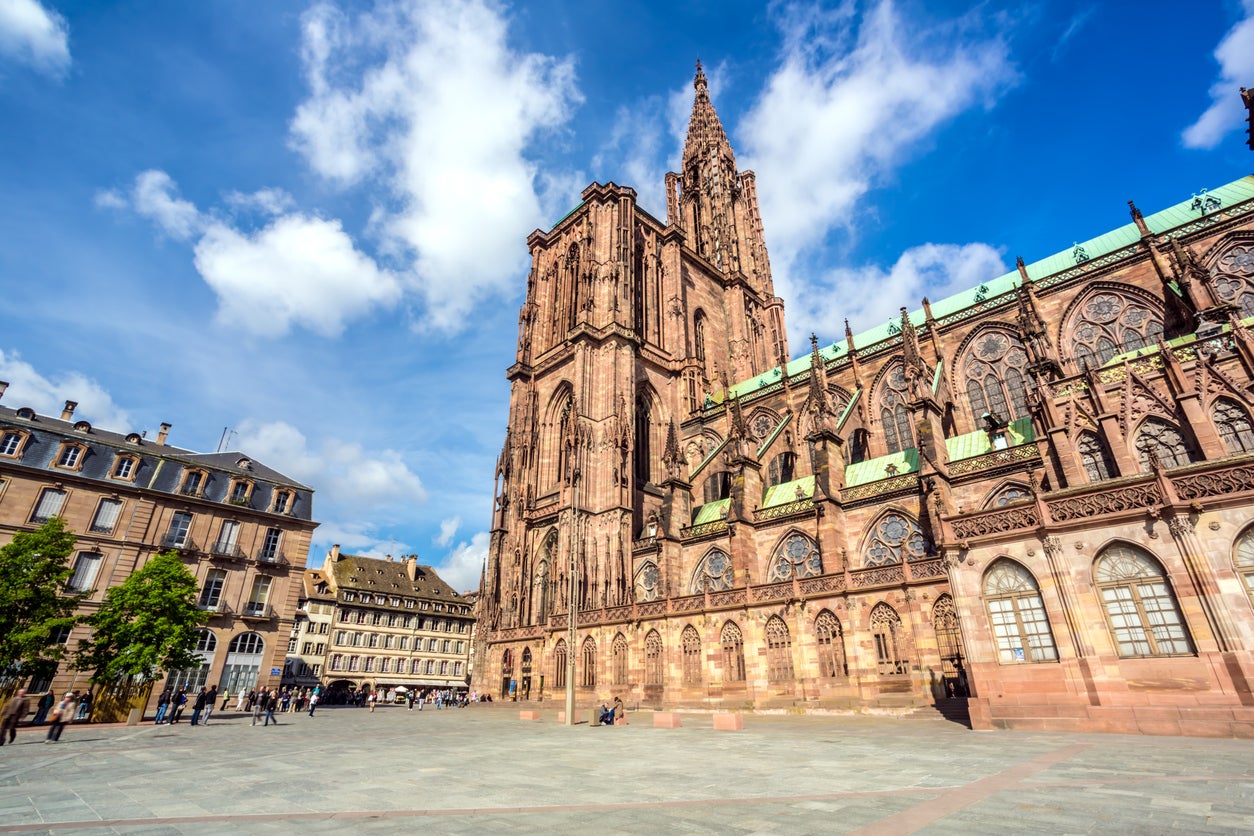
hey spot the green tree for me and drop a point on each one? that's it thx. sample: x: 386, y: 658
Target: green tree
x: 33, y: 603
x: 145, y: 626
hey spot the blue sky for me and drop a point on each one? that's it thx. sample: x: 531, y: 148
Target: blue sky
x: 303, y: 224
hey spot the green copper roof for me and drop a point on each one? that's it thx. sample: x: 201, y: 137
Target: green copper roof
x: 786, y: 492
x: 975, y: 444
x: 711, y: 511
x: 873, y: 470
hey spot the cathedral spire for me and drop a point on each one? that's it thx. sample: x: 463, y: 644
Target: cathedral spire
x: 705, y: 131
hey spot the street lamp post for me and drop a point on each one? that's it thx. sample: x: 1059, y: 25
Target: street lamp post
x: 573, y: 608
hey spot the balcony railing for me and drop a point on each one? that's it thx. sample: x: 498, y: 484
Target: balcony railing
x: 272, y: 557
x: 252, y: 610
x: 230, y: 551
x: 179, y: 541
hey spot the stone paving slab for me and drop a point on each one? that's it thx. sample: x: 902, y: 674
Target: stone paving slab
x: 481, y: 769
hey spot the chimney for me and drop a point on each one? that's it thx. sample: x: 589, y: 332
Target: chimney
x: 162, y: 433
x: 335, y: 553
x: 68, y: 412
x: 4, y: 384
x: 411, y: 567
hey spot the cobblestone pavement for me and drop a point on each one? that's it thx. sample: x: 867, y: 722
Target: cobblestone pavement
x: 481, y: 769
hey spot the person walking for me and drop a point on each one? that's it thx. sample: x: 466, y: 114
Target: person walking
x: 163, y: 706
x: 14, y: 712
x: 198, y: 706
x: 313, y: 702
x: 177, y: 704
x: 46, y: 702
x: 256, y: 698
x: 271, y: 702
x: 211, y: 699
x: 58, y: 717
x: 226, y: 698
x: 239, y: 699
x: 374, y: 695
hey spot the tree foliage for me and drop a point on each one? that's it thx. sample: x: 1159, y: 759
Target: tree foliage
x: 33, y: 603
x: 145, y: 626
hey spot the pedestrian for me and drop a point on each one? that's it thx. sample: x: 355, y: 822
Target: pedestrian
x: 84, y: 707
x: 409, y: 698
x: 256, y: 698
x: 619, y: 712
x: 211, y: 699
x: 14, y: 712
x: 46, y: 702
x: 286, y: 702
x: 239, y: 700
x: 58, y: 716
x: 163, y: 706
x: 177, y: 704
x: 313, y: 702
x: 374, y: 695
x: 226, y: 698
x: 271, y: 701
x: 252, y: 699
x: 198, y: 706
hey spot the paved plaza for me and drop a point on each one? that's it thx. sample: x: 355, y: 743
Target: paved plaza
x: 480, y: 769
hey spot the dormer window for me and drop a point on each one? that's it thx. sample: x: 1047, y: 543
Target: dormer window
x: 26, y: 413
x: 71, y: 456
x: 240, y: 492
x: 11, y: 443
x: 82, y: 427
x: 282, y: 501
x: 134, y: 438
x: 193, y: 483
x: 124, y: 468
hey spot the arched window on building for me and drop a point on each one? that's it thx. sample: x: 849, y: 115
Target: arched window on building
x: 1233, y: 424
x: 717, y: 486
x: 646, y: 582
x: 1107, y: 323
x: 692, y: 666
x: 948, y: 636
x: 797, y: 556
x: 713, y: 573
x: 588, y: 672
x: 244, y: 657
x: 524, y: 679
x: 1094, y: 457
x: 559, y: 664
x: 645, y: 428
x: 1141, y: 609
x: 733, y: 647
x: 895, y: 537
x: 831, y: 644
x: 893, y: 414
x: 778, y: 651
x: 782, y: 468
x: 618, y: 657
x: 193, y: 679
x: 540, y: 593
x: 654, y: 668
x: 886, y: 630
x: 1164, y: 440
x: 1234, y: 278
x: 1017, y: 614
x: 859, y: 446
x: 1244, y: 558
x: 698, y: 336
x: 994, y: 371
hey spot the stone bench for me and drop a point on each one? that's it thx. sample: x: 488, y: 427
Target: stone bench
x: 529, y: 715
x: 729, y: 722
x: 666, y: 720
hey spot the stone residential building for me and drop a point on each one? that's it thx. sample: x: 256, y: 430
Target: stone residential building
x: 311, y: 632
x: 1035, y: 496
x: 396, y: 624
x: 242, y: 528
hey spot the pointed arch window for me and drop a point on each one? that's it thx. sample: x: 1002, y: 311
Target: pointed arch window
x: 644, y: 434
x: 618, y: 658
x: 1017, y: 615
x: 1244, y: 559
x: 778, y: 651
x: 588, y: 656
x: 798, y: 556
x: 1094, y: 457
x: 698, y: 335
x: 995, y: 368
x: 647, y: 582
x: 713, y: 573
x: 1008, y: 495
x: 895, y: 538
x: 1164, y: 440
x: 691, y: 646
x: 653, y: 662
x: 894, y: 416
x: 782, y: 468
x: 948, y: 636
x: 559, y: 664
x: 886, y: 630
x: 1234, y: 426
x: 1109, y: 323
x: 831, y: 644
x: 540, y: 594
x: 733, y: 648
x: 1141, y: 609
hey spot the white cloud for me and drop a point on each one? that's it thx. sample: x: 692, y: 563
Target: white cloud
x: 34, y: 35
x: 27, y: 387
x: 265, y: 201
x: 870, y: 295
x: 428, y: 98
x: 854, y: 96
x: 111, y: 199
x: 448, y: 528
x: 1235, y: 55
x: 153, y: 197
x: 462, y: 567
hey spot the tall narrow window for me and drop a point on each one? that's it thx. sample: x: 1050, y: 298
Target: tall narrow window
x: 994, y: 368
x: 559, y: 664
x: 282, y: 500
x: 239, y: 493
x: 692, y: 667
x: 86, y: 566
x: 124, y: 468
x: 778, y: 651
x: 270, y: 545
x: 733, y: 647
x: 1164, y: 440
x: 1140, y: 607
x: 831, y: 642
x: 653, y: 666
x: 106, y: 518
x: 71, y: 456
x: 49, y: 505
x: 948, y: 637
x: 618, y: 656
x: 588, y: 675
x: 10, y: 443
x: 228, y: 538
x: 176, y: 535
x: 193, y: 482
x: 1095, y: 457
x: 886, y: 631
x: 211, y: 591
x: 1234, y: 427
x: 1017, y: 614
x: 258, y: 597
x: 894, y: 416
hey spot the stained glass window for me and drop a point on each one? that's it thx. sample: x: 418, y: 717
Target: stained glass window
x: 647, y: 582
x: 1234, y: 281
x: 1164, y: 440
x: 618, y: 652
x: 1234, y: 426
x: 1245, y: 560
x: 994, y: 369
x: 1109, y: 323
x: 894, y: 417
x: 1095, y: 457
x: 588, y: 678
x: 796, y: 556
x: 733, y: 647
x: 692, y: 656
x: 653, y: 662
x: 778, y: 651
x: 713, y: 573
x: 896, y: 537
x: 831, y: 643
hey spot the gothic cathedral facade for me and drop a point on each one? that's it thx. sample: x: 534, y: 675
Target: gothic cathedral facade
x: 1035, y: 496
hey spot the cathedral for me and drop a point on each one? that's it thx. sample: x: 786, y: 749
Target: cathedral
x: 1033, y: 499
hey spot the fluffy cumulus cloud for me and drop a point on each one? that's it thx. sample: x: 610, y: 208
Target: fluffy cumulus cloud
x: 1235, y: 55
x: 34, y: 35
x: 27, y: 387
x: 426, y: 99
x: 296, y: 271
x: 462, y: 566
x: 448, y: 528
x: 871, y: 294
x: 855, y: 94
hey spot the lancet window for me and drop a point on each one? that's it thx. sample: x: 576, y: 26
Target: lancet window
x: 653, y: 661
x: 948, y: 636
x: 1017, y: 615
x: 1094, y: 457
x: 733, y: 647
x: 559, y: 664
x: 1109, y: 323
x: 797, y: 556
x: 831, y: 645
x: 1233, y: 424
x: 896, y: 537
x: 588, y: 660
x: 778, y: 651
x: 1164, y: 440
x: 618, y: 655
x: 994, y: 371
x: 713, y: 573
x: 894, y: 416
x: 886, y: 629
x: 692, y: 666
x: 1141, y: 609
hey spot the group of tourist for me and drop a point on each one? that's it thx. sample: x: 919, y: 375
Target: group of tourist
x: 55, y: 712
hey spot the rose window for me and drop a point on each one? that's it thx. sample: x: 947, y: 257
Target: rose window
x: 799, y: 557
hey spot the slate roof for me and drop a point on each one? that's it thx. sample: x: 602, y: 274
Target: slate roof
x: 389, y: 577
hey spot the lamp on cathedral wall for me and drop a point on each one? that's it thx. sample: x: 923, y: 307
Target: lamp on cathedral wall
x: 573, y: 608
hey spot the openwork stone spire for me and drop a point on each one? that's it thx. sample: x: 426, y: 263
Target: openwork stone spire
x: 705, y: 131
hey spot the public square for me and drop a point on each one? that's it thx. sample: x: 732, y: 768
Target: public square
x: 481, y: 769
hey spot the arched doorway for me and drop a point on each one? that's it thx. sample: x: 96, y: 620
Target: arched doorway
x: 524, y: 680
x: 507, y: 672
x: 949, y: 645
x: 244, y: 658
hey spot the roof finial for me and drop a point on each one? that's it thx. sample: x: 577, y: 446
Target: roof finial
x: 699, y: 81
